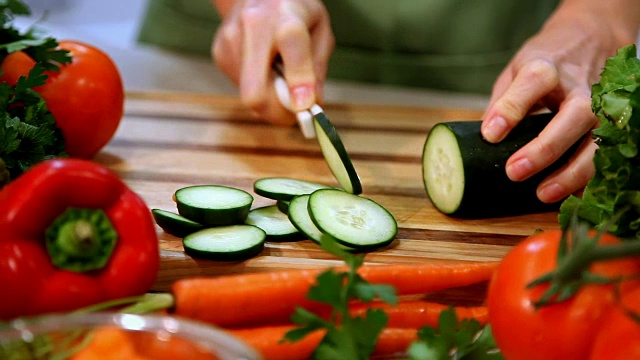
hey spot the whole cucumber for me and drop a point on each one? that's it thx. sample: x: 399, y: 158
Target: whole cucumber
x: 464, y: 175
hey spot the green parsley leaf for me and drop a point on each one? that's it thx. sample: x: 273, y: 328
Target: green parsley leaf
x: 346, y: 337
x: 613, y: 188
x: 454, y: 339
x: 28, y: 130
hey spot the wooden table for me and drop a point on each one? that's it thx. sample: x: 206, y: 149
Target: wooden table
x: 170, y: 140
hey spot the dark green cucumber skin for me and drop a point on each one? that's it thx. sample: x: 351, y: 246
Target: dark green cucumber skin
x: 283, y: 205
x: 488, y: 191
x: 214, y: 217
x: 331, y: 132
x: 228, y: 256
x: 239, y: 255
x: 174, y: 226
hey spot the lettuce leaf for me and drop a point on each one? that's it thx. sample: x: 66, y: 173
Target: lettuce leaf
x: 612, y: 198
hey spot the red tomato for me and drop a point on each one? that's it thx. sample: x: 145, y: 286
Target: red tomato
x: 619, y: 335
x: 86, y: 97
x: 560, y: 331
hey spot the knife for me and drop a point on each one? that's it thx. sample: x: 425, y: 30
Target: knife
x: 314, y: 123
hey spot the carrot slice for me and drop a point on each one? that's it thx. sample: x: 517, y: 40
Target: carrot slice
x: 259, y: 298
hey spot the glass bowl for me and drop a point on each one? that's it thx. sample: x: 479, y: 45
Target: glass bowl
x: 71, y: 336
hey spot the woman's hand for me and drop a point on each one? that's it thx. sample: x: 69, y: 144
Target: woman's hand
x: 555, y: 69
x: 254, y: 32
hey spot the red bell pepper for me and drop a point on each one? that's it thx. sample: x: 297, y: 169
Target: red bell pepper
x: 72, y: 234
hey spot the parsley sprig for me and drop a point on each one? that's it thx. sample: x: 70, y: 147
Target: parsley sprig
x: 28, y: 131
x: 455, y: 340
x: 614, y: 191
x: 350, y: 337
x: 347, y: 337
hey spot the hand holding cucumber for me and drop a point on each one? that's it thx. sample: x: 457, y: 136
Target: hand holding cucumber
x: 555, y: 69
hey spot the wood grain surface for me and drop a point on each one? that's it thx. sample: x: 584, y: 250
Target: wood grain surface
x: 170, y: 140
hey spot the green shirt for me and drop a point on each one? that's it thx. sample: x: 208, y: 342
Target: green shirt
x: 459, y: 45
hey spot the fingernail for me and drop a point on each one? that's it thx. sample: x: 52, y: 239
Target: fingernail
x: 551, y: 193
x: 302, y: 97
x: 520, y: 170
x: 495, y: 129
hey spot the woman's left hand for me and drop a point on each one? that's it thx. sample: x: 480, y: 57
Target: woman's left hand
x: 555, y: 69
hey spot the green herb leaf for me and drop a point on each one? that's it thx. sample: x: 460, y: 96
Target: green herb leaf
x: 346, y: 336
x: 28, y: 130
x: 454, y: 339
x: 611, y: 191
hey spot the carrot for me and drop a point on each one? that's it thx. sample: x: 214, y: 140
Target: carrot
x: 394, y: 341
x: 234, y: 300
x: 411, y: 279
x: 110, y: 343
x: 267, y: 341
x: 107, y: 343
x: 271, y: 297
x: 417, y: 313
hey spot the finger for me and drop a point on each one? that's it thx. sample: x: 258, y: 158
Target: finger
x: 569, y: 125
x: 570, y: 178
x: 294, y: 45
x: 224, y: 51
x: 256, y: 90
x: 532, y: 82
x: 323, y: 44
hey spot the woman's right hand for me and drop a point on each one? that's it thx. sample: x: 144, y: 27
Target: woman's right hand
x: 254, y: 32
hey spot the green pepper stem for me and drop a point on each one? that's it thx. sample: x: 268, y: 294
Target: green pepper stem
x: 81, y: 240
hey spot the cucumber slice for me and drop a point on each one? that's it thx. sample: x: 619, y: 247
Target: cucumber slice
x: 274, y: 222
x: 300, y: 218
x: 213, y: 205
x: 282, y: 188
x: 225, y: 243
x: 283, y: 206
x: 175, y: 224
x: 336, y: 155
x: 352, y: 220
x: 464, y: 175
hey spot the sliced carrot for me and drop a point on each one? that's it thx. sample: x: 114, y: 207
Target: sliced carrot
x: 417, y: 313
x: 271, y: 297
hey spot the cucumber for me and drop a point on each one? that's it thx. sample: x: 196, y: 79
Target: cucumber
x: 335, y: 154
x: 282, y: 188
x: 300, y: 218
x: 353, y: 220
x: 274, y: 222
x: 225, y: 243
x: 464, y: 175
x: 213, y: 205
x: 283, y: 206
x: 175, y: 224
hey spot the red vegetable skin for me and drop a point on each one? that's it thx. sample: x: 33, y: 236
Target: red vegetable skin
x: 560, y: 331
x: 86, y: 97
x: 29, y: 205
x: 619, y: 335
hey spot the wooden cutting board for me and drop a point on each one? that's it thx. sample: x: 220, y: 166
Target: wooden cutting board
x: 170, y: 140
